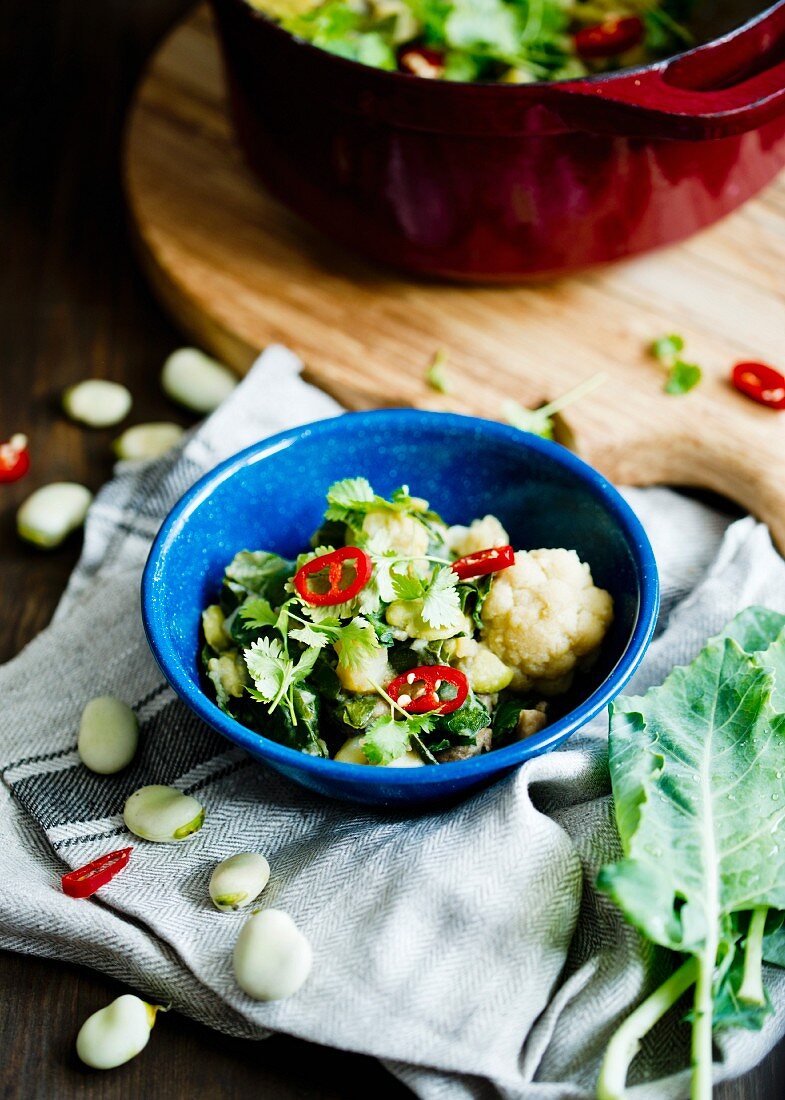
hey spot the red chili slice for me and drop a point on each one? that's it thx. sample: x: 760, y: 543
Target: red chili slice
x: 483, y: 562
x: 610, y: 38
x: 431, y: 677
x: 422, y: 61
x: 84, y: 881
x: 334, y: 563
x: 763, y: 384
x: 14, y: 458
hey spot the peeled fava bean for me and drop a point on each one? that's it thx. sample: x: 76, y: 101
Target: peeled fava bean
x: 238, y: 880
x: 97, y: 402
x: 51, y: 513
x: 117, y: 1033
x: 108, y: 735
x: 162, y: 814
x: 196, y: 381
x: 272, y: 958
x: 147, y: 441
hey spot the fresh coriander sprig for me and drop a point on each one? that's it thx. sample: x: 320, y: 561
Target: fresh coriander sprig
x: 540, y: 421
x: 682, y: 377
x: 413, y: 724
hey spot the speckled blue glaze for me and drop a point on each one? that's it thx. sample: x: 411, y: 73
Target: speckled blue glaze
x: 271, y: 496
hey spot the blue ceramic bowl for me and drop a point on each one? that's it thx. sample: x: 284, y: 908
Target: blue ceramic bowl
x: 272, y: 496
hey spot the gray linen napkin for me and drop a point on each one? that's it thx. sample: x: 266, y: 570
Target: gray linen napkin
x: 466, y: 948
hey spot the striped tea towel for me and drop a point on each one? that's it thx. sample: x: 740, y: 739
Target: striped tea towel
x: 467, y: 948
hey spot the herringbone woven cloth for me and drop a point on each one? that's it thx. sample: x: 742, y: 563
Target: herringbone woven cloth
x: 466, y: 948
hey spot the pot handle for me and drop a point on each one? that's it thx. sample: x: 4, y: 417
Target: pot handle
x: 729, y: 86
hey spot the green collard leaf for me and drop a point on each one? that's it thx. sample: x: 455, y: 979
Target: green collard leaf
x: 357, y: 711
x: 682, y: 377
x: 731, y: 1010
x: 465, y: 723
x: 256, y: 573
x: 697, y: 768
x: 754, y: 628
x: 441, y: 604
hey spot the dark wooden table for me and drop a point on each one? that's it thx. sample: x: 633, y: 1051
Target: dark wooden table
x: 73, y: 305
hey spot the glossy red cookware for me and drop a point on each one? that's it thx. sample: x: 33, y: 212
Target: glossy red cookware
x: 489, y: 181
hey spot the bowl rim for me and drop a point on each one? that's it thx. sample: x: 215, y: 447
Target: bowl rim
x: 478, y: 767
x: 565, y: 85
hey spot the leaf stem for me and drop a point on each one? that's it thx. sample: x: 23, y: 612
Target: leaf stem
x: 573, y: 395
x: 702, y: 1049
x: 751, y: 988
x: 626, y: 1040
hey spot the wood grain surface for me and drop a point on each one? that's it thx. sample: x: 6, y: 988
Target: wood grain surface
x: 72, y: 304
x: 237, y: 271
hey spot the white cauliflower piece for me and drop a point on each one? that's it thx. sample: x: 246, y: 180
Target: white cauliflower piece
x: 479, y: 535
x: 544, y: 616
x: 396, y: 531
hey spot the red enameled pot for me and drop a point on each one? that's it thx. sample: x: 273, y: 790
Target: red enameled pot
x: 507, y: 182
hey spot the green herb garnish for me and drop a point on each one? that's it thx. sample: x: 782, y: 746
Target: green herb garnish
x: 540, y: 421
x: 682, y: 377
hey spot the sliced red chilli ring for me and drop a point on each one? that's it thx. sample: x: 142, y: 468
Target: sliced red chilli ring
x: 323, y: 581
x: 761, y: 383
x: 14, y: 458
x: 84, y: 881
x: 609, y: 39
x: 417, y: 691
x: 422, y: 61
x: 483, y: 562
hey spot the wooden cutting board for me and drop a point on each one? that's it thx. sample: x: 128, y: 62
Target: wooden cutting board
x: 237, y: 272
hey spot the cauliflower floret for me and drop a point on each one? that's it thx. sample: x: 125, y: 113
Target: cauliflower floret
x: 479, y: 535
x: 396, y: 531
x: 543, y: 616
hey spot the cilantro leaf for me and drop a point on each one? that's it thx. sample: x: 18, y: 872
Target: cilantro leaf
x: 386, y: 740
x: 358, y: 644
x: 254, y: 573
x: 257, y: 613
x: 441, y: 605
x: 682, y: 377
x: 347, y: 496
x: 536, y: 421
x: 540, y: 421
x: 667, y: 348
x: 311, y: 636
x: 270, y: 668
x: 407, y: 586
